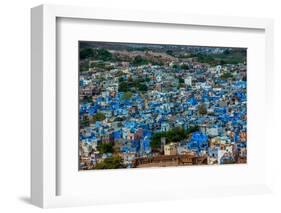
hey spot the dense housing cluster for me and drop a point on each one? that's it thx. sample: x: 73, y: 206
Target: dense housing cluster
x: 161, y: 105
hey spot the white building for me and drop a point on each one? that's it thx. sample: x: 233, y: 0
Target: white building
x: 218, y: 70
x: 188, y: 81
x: 165, y: 127
x: 213, y: 132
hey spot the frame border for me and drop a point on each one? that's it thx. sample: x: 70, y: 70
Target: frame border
x: 43, y: 89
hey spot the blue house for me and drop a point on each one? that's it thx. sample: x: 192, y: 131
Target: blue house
x: 117, y: 134
x: 198, y: 142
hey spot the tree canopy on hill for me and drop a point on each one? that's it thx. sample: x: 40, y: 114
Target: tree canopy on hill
x: 132, y: 85
x: 138, y: 60
x: 170, y: 52
x: 97, y: 54
x: 233, y: 56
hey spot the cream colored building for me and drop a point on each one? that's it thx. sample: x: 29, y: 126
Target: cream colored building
x: 170, y: 149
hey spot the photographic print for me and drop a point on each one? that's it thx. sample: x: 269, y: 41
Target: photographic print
x: 161, y: 105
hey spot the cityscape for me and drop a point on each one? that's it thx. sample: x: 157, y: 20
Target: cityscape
x: 161, y: 105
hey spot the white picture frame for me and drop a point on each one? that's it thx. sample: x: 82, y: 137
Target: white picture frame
x: 44, y: 169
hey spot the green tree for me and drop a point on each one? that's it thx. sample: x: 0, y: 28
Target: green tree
x: 202, y: 109
x: 226, y: 52
x: 105, y: 148
x: 181, y: 80
x: 98, y: 54
x: 226, y: 76
x: 170, y: 52
x: 175, y: 66
x: 203, y: 58
x: 84, y: 66
x: 138, y: 60
x: 184, y: 66
x: 126, y: 95
x: 123, y: 87
x: 86, y: 53
x: 98, y: 117
x: 114, y: 162
x: 84, y: 123
x: 173, y: 135
x: 192, y: 129
x: 103, y: 54
x: 142, y: 87
x: 147, y: 79
x: 156, y: 140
